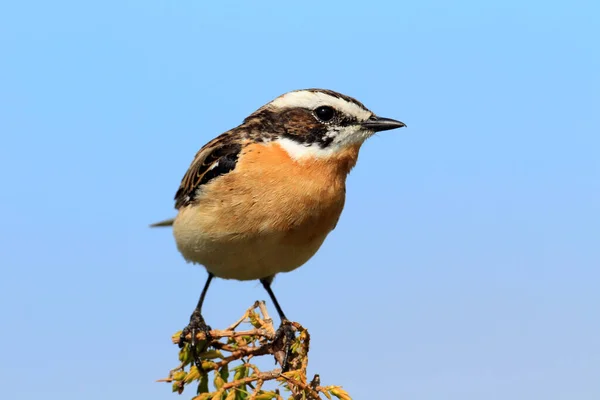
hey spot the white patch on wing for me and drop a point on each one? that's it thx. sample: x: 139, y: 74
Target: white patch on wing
x: 311, y: 100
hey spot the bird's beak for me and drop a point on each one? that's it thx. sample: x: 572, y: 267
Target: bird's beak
x: 378, y: 124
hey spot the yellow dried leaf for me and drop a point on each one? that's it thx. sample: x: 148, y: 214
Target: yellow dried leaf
x: 219, y: 382
x: 340, y: 393
x: 203, y: 396
x: 192, y: 375
x: 208, y: 365
x: 231, y: 395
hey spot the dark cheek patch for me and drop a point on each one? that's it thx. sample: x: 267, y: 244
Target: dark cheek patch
x: 302, y: 127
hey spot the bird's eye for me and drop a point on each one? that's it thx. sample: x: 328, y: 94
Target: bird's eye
x: 325, y: 113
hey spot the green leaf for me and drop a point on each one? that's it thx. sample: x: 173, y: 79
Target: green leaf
x: 266, y: 396
x: 241, y: 394
x: 203, y: 385
x: 177, y: 387
x: 225, y: 372
x: 185, y: 355
x: 241, y: 372
x: 179, y: 376
x: 211, y: 354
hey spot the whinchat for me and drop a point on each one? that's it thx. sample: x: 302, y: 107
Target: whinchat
x: 261, y: 198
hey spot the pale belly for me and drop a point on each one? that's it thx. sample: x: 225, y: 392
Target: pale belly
x: 238, y: 237
x: 244, y: 257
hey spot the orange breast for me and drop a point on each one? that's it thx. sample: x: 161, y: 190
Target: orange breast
x: 268, y: 191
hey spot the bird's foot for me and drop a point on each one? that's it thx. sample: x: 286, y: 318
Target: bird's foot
x: 282, y: 344
x: 196, y: 325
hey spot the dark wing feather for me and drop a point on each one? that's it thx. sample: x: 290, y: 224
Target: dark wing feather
x: 216, y: 158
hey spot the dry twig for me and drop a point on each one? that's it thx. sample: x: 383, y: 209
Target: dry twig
x: 233, y: 350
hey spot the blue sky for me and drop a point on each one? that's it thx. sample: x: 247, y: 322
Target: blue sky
x: 470, y: 240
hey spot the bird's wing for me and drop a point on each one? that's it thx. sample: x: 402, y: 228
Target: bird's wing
x: 217, y: 157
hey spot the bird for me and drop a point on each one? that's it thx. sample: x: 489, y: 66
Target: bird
x: 261, y: 198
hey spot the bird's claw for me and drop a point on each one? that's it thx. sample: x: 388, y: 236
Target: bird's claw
x: 282, y: 344
x: 196, y: 325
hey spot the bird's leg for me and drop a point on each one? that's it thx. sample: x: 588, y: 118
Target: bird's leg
x: 285, y: 333
x: 197, y: 324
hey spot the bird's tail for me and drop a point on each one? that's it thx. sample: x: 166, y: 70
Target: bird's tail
x: 166, y: 222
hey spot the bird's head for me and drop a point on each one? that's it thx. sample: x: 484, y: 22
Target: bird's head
x: 318, y: 122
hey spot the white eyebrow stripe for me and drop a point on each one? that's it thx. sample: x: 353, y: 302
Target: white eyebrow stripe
x: 312, y: 99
